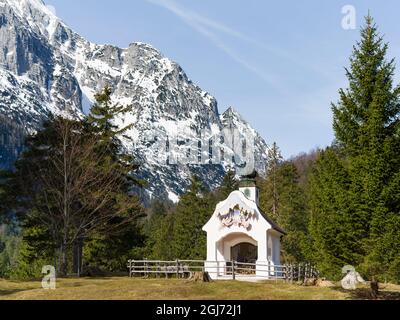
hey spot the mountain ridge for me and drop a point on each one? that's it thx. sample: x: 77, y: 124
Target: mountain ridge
x: 47, y: 68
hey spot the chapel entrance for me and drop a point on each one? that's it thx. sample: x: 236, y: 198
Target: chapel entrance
x: 244, y: 252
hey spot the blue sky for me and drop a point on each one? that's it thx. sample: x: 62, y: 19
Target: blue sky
x: 279, y: 63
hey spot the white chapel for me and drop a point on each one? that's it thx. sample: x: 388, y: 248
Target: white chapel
x: 239, y: 231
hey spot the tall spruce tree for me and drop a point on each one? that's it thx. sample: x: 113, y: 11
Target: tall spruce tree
x: 193, y: 211
x: 157, y: 227
x: 102, y: 123
x: 364, y: 173
x: 160, y: 242
x: 274, y: 160
x: 287, y: 210
x: 331, y: 217
x: 228, y: 185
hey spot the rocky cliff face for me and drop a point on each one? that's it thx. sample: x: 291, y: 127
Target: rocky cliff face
x: 46, y: 68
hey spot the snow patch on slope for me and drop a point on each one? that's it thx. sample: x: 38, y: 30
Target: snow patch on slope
x: 165, y: 102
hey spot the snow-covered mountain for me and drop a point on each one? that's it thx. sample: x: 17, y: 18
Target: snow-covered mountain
x: 46, y: 68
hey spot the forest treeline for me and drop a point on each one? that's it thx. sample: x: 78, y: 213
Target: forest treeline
x: 69, y: 201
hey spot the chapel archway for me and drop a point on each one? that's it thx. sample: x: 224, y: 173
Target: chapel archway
x: 244, y: 252
x: 238, y: 247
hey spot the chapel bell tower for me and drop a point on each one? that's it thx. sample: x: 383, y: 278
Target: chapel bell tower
x: 248, y: 187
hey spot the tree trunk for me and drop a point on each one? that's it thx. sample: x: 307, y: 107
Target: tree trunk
x: 77, y: 257
x: 63, y: 260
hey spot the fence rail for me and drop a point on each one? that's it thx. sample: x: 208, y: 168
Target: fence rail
x: 222, y: 269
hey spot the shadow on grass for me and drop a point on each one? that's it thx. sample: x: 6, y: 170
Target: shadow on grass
x: 366, y: 294
x: 7, y: 292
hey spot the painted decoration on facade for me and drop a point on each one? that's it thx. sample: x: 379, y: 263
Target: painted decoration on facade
x: 236, y: 217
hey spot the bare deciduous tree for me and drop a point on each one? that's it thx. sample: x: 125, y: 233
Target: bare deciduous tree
x: 72, y: 187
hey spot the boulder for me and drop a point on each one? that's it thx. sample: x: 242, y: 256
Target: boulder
x: 351, y: 280
x: 324, y: 283
x: 310, y: 282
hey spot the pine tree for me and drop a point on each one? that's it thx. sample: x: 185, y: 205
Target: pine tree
x: 367, y: 113
x: 102, y: 121
x: 353, y: 181
x: 102, y: 118
x: 193, y: 211
x: 331, y: 219
x: 287, y: 210
x: 228, y: 185
x: 160, y: 243
x: 157, y: 229
x: 178, y: 232
x: 73, y: 184
x: 274, y: 160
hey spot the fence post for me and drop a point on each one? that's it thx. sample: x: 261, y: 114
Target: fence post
x: 177, y: 268
x: 305, y: 272
x: 269, y: 270
x: 312, y: 271
x: 299, y: 272
x: 130, y: 268
x: 233, y: 270
x: 286, y: 273
x: 291, y: 273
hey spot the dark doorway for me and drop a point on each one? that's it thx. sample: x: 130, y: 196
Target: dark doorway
x: 244, y: 253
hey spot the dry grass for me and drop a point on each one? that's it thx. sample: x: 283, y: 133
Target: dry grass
x: 124, y: 288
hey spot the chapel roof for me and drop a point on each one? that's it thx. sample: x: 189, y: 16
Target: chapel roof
x: 272, y: 223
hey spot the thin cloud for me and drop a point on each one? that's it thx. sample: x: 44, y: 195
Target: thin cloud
x: 205, y: 27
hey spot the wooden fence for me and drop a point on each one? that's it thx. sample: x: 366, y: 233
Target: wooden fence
x: 222, y: 269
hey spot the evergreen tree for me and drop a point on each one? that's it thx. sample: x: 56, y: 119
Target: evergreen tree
x: 157, y: 229
x: 331, y: 220
x: 160, y: 244
x: 228, y: 185
x: 72, y: 185
x: 10, y: 243
x: 102, y: 123
x: 356, y: 186
x: 177, y: 231
x: 102, y: 119
x: 287, y: 210
x: 366, y: 123
x: 274, y: 160
x: 193, y: 211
